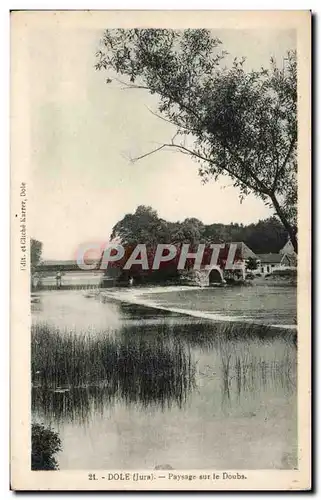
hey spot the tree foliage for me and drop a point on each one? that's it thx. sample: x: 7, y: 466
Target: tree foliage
x: 140, y: 227
x: 35, y: 253
x: 238, y: 123
x: 251, y: 264
x: 45, y: 443
x: 144, y: 226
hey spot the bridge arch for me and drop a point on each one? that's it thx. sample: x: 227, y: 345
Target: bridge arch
x: 215, y: 275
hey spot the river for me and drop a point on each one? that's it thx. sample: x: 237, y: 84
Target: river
x: 200, y: 395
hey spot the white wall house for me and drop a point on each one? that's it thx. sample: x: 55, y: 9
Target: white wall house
x: 271, y: 261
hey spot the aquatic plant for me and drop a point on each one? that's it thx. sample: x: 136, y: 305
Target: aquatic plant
x: 135, y: 369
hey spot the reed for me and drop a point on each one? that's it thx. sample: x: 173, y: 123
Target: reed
x: 133, y: 368
x: 153, y: 364
x: 248, y: 366
x: 209, y: 335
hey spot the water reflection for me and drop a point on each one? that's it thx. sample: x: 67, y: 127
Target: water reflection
x: 74, y: 377
x: 73, y: 372
x: 155, y: 382
x: 137, y: 311
x: 73, y: 405
x: 248, y: 369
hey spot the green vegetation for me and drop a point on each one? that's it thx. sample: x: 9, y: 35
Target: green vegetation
x: 45, y: 443
x: 266, y: 236
x: 250, y: 366
x: 35, y: 260
x: 207, y: 334
x: 251, y: 264
x: 153, y: 365
x: 136, y: 369
x: 35, y: 253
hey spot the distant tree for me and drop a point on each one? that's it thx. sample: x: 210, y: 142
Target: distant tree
x: 233, y: 122
x: 265, y: 236
x: 251, y: 264
x: 144, y: 226
x: 190, y: 231
x: 35, y: 253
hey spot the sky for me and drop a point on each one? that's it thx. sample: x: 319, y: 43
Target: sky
x: 83, y: 132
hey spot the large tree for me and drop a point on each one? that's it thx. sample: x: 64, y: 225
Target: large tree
x: 143, y: 226
x: 234, y: 122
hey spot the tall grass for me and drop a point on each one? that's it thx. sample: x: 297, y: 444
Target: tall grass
x: 252, y: 366
x: 135, y: 369
x: 154, y: 364
x: 249, y: 357
x: 208, y: 334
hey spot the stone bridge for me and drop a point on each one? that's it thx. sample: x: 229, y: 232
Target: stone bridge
x: 206, y: 277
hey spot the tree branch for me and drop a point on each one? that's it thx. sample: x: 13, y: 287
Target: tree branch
x: 130, y: 85
x: 264, y: 189
x: 286, y: 159
x: 192, y: 153
x: 133, y: 160
x: 172, y: 122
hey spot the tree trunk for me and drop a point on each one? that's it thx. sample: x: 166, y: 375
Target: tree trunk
x: 289, y: 228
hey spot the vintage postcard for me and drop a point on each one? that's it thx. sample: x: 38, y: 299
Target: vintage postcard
x: 160, y: 243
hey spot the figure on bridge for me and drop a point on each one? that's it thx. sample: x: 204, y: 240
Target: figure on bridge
x: 58, y: 279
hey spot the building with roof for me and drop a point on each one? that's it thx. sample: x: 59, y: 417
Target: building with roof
x: 288, y: 248
x: 270, y: 261
x: 243, y: 250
